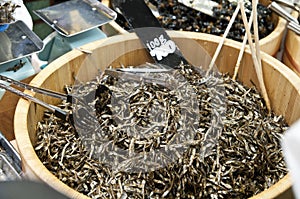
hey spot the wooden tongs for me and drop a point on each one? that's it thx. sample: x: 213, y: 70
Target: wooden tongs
x: 277, y: 6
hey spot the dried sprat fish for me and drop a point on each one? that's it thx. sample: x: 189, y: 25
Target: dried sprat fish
x: 17, y: 66
x: 234, y: 152
x: 7, y: 10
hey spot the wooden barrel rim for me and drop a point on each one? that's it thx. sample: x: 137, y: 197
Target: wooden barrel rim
x: 21, y: 132
x: 291, y: 54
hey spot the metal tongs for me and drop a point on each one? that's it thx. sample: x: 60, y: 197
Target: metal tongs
x: 276, y: 7
x: 125, y: 73
x: 83, y: 118
x: 56, y: 110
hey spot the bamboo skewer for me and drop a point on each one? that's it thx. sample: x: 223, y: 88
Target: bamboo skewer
x: 255, y: 52
x: 241, y: 53
x: 217, y: 52
x: 255, y: 26
x: 257, y: 66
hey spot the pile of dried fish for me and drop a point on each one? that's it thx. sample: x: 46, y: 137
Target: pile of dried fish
x: 7, y: 10
x: 224, y: 144
x: 176, y: 16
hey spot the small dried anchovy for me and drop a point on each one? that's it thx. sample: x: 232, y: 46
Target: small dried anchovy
x: 16, y: 67
x: 233, y: 148
x: 7, y: 10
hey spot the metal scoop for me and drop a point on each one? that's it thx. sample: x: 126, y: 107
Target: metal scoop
x: 76, y: 16
x: 18, y: 41
x: 204, y: 6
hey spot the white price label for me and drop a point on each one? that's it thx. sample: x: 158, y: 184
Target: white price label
x: 161, y: 47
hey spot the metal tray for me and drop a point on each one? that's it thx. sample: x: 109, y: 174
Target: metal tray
x: 76, y: 16
x: 18, y: 41
x: 10, y: 161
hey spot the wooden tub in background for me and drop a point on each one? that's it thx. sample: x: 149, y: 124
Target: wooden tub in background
x: 291, y: 54
x: 270, y: 44
x: 281, y: 83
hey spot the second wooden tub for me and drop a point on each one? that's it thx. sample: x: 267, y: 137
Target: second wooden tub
x: 270, y: 44
x: 291, y: 54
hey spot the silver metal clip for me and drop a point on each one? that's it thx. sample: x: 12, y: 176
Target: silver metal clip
x: 292, y: 22
x: 294, y: 27
x: 282, y: 12
x: 288, y: 4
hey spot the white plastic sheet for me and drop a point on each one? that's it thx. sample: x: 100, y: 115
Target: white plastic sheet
x: 291, y: 150
x: 23, y: 14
